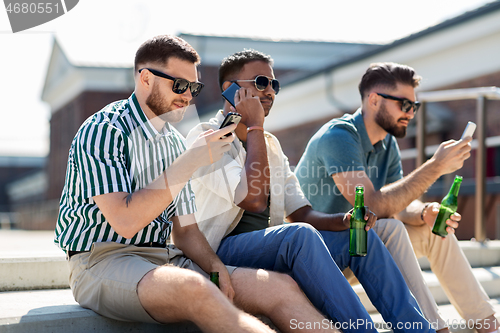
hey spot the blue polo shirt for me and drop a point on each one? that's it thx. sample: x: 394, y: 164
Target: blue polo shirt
x: 343, y: 145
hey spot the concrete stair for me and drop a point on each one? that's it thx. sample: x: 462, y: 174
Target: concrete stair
x: 55, y: 310
x: 34, y: 293
x: 485, y: 262
x: 35, y: 296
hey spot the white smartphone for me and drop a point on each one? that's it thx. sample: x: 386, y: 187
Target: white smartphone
x: 469, y: 130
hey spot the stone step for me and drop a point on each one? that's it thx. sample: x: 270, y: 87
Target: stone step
x: 489, y: 277
x: 55, y: 311
x: 33, y: 273
x: 479, y: 254
x: 456, y: 323
x: 24, y: 252
x: 52, y: 272
x: 29, y: 260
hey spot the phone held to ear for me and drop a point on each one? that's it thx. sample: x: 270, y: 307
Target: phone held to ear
x: 231, y: 118
x: 469, y: 130
x: 229, y: 93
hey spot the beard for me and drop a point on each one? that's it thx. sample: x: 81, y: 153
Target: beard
x: 384, y: 120
x: 162, y: 108
x: 267, y: 106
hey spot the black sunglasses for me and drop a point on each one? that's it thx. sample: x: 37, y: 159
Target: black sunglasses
x: 180, y: 85
x: 261, y: 82
x: 406, y: 104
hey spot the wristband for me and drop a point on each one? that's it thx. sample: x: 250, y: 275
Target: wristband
x: 423, y: 209
x: 251, y: 128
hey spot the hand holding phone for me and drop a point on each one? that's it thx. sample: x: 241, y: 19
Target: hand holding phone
x: 469, y: 130
x: 231, y: 118
x: 229, y: 93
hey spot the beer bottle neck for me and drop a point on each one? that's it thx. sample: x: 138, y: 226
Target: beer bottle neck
x: 359, y: 201
x: 455, y: 187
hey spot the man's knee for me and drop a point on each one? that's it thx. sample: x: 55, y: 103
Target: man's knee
x: 282, y: 289
x: 168, y: 284
x: 303, y: 231
x: 393, y: 225
x: 390, y: 227
x: 284, y: 281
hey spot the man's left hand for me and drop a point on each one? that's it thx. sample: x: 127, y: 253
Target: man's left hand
x: 430, y: 213
x: 225, y: 284
x: 370, y: 218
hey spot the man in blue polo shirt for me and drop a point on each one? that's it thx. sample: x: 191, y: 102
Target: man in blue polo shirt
x: 361, y: 149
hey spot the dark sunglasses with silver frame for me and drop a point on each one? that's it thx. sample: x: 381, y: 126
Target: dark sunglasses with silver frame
x: 261, y: 82
x: 180, y: 85
x: 406, y: 104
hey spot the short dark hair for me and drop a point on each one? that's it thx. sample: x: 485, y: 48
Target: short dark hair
x: 161, y: 48
x: 232, y: 65
x: 387, y: 74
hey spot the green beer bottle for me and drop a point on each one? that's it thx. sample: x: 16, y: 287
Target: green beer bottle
x: 357, y: 232
x: 448, y: 207
x: 214, y: 277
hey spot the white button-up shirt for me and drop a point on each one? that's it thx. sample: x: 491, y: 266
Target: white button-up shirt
x: 215, y: 185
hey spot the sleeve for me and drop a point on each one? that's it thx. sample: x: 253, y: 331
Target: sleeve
x: 100, y: 157
x: 340, y: 150
x: 186, y: 204
x: 395, y: 169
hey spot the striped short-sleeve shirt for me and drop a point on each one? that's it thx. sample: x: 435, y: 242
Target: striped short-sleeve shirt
x: 117, y: 150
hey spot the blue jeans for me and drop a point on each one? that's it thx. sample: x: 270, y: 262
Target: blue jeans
x: 313, y: 259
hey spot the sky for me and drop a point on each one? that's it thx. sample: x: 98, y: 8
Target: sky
x: 109, y: 31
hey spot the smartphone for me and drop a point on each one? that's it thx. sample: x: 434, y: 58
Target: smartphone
x: 469, y: 130
x: 229, y: 93
x: 231, y: 118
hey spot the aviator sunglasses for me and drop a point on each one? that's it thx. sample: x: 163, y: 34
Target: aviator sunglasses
x: 180, y: 85
x: 261, y: 82
x: 406, y: 104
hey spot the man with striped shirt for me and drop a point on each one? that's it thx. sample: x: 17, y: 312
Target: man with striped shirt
x: 127, y: 190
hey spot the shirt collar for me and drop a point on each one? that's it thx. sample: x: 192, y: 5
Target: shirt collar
x: 140, y: 117
x: 219, y: 116
x: 365, y: 140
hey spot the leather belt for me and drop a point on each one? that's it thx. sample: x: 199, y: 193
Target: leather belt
x: 72, y: 253
x: 151, y: 244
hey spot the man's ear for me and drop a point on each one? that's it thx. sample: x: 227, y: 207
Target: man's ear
x: 146, y: 79
x: 226, y: 85
x: 373, y: 100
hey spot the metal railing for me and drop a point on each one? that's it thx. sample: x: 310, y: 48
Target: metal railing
x: 481, y: 95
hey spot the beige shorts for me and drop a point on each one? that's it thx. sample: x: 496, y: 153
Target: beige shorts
x: 105, y: 279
